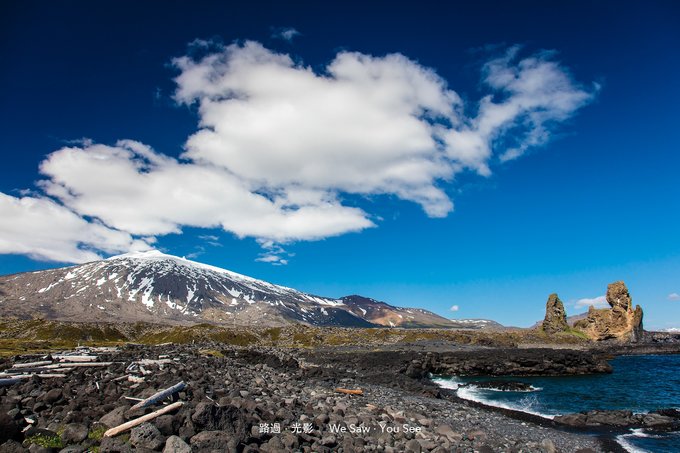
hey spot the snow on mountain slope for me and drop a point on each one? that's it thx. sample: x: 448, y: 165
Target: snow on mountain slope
x: 155, y: 287
x: 478, y: 323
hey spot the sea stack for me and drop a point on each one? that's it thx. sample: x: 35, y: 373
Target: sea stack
x: 555, y: 316
x: 620, y: 322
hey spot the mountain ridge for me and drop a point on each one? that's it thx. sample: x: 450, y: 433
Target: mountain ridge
x: 153, y: 286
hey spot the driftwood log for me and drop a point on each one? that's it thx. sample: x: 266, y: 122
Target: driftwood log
x: 350, y: 391
x: 76, y: 358
x: 18, y: 379
x: 10, y: 381
x: 157, y: 397
x: 145, y: 418
x: 31, y: 364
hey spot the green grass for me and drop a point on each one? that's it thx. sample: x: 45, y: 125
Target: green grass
x: 97, y: 433
x: 45, y: 441
x: 39, y: 336
x: 577, y: 333
x: 212, y: 353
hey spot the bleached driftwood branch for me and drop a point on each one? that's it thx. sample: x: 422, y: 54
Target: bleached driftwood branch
x: 350, y: 391
x: 145, y: 418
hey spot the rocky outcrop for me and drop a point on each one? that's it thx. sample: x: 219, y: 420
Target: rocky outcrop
x: 620, y: 322
x: 518, y: 362
x: 664, y: 418
x: 555, y: 315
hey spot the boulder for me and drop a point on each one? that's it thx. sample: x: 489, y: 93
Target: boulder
x: 9, y: 429
x: 148, y: 436
x: 620, y: 419
x: 12, y: 446
x: 115, y: 417
x: 175, y: 444
x: 114, y: 445
x: 74, y: 433
x: 555, y: 315
x: 212, y: 440
x: 209, y: 416
x: 620, y: 322
x: 52, y: 396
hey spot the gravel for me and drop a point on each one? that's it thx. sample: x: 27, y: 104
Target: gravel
x: 262, y: 399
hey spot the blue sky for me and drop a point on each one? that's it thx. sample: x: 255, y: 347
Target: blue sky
x: 479, y: 155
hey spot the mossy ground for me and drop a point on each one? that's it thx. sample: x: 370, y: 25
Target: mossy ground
x: 45, y: 441
x: 97, y: 433
x: 36, y: 336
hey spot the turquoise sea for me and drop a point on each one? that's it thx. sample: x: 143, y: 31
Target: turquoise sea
x: 638, y: 383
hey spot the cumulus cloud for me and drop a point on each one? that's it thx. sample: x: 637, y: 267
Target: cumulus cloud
x: 45, y: 230
x: 597, y: 302
x: 132, y: 188
x: 280, y: 145
x: 285, y: 33
x: 674, y: 296
x: 365, y: 125
x: 454, y: 308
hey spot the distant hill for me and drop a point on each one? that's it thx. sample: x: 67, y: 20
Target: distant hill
x: 479, y: 323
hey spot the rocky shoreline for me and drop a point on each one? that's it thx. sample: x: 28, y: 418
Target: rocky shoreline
x: 268, y: 399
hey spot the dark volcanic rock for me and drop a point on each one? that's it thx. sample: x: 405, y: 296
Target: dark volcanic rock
x: 74, y: 433
x: 9, y: 429
x: 146, y: 435
x: 555, y: 315
x: 175, y: 444
x: 114, y: 445
x: 12, y: 446
x: 259, y: 388
x: 229, y: 419
x: 518, y: 362
x: 115, y: 417
x: 621, y: 419
x: 52, y: 396
x: 213, y: 440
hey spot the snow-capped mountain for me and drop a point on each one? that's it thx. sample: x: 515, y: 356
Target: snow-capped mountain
x: 475, y: 323
x: 155, y: 287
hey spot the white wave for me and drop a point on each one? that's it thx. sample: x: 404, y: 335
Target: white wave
x: 525, y: 405
x: 447, y: 383
x: 639, y: 432
x: 530, y: 390
x: 623, y: 441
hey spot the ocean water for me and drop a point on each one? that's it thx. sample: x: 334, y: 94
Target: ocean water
x: 638, y: 383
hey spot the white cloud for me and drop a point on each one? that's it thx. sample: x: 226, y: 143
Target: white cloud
x: 132, y: 188
x: 529, y: 97
x: 674, y: 296
x: 454, y: 308
x: 287, y: 33
x: 597, y: 302
x: 44, y: 230
x: 365, y: 125
x: 280, y: 145
x: 273, y: 253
